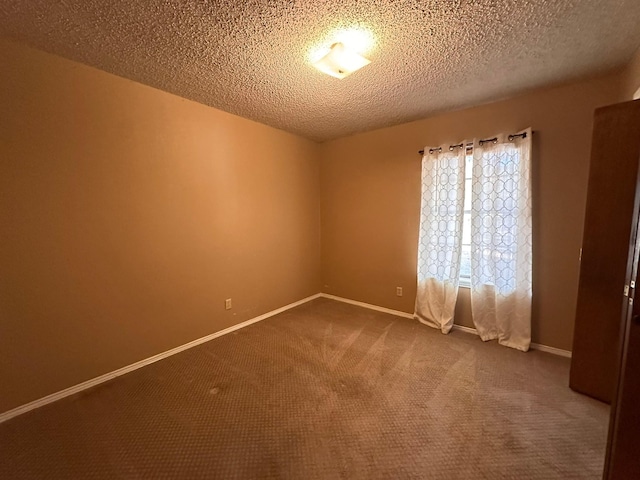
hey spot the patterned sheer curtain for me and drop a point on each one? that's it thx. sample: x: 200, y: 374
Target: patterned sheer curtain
x: 501, y: 240
x: 439, y: 246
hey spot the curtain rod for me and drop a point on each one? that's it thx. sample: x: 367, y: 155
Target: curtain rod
x: 481, y: 142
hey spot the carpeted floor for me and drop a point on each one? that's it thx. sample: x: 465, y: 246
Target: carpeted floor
x: 326, y: 390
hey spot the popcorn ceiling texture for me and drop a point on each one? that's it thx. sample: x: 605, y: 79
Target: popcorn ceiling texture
x: 250, y: 57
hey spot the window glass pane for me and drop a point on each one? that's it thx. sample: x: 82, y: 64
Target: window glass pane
x: 465, y: 262
x: 467, y: 194
x: 466, y: 229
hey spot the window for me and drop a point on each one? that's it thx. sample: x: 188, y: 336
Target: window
x: 476, y: 208
x: 465, y: 260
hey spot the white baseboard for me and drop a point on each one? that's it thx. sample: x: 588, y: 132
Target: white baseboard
x: 134, y: 366
x: 461, y: 328
x: 553, y: 350
x: 397, y: 313
x: 533, y: 346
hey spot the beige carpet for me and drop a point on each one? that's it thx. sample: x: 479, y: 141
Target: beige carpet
x: 326, y: 390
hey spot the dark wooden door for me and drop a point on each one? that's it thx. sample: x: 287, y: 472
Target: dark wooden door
x: 613, y: 173
x: 623, y: 445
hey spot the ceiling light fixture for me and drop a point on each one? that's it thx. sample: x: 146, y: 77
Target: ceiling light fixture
x: 341, y: 62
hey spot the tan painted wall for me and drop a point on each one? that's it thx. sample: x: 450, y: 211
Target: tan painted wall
x: 128, y: 215
x: 371, y: 200
x: 632, y: 77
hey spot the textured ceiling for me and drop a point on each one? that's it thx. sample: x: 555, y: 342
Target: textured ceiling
x: 251, y: 57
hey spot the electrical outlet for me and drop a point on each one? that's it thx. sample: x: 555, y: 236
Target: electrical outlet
x: 399, y: 291
x: 227, y: 304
